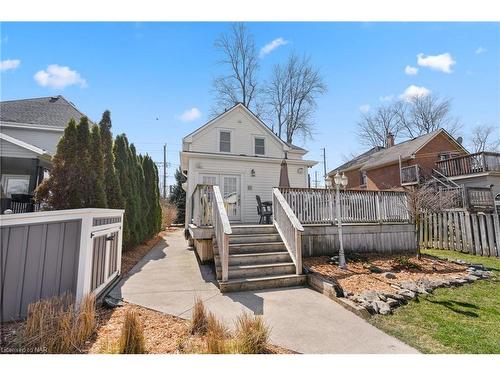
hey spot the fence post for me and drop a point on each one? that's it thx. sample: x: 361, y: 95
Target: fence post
x: 85, y: 258
x: 378, y: 207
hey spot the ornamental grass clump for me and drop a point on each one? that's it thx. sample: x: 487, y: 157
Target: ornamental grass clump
x: 251, y: 335
x: 132, y: 335
x: 199, y: 321
x: 217, y: 335
x: 54, y: 325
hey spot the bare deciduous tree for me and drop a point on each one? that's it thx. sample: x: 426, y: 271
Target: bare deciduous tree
x: 374, y: 128
x: 484, y: 138
x: 239, y: 57
x: 407, y: 119
x: 425, y: 114
x: 292, y: 94
x: 425, y: 198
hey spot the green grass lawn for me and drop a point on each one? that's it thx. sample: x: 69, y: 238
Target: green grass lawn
x: 451, y: 320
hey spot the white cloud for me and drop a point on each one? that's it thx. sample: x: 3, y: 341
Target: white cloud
x: 479, y: 50
x: 271, y: 46
x: 58, y: 77
x: 190, y: 115
x: 411, y: 70
x: 364, y: 108
x: 386, y: 98
x: 413, y: 91
x: 441, y: 62
x: 9, y: 65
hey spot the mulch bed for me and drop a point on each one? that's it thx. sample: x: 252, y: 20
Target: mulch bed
x: 164, y: 333
x: 357, y: 277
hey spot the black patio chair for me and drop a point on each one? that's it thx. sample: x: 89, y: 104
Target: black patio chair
x: 264, y: 211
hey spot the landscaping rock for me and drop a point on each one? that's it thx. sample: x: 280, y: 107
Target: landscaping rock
x: 408, y: 294
x: 477, y: 266
x: 392, y: 302
x: 383, y: 307
x: 472, y: 277
x: 382, y: 297
x: 375, y: 269
x: 395, y: 296
x: 409, y: 285
x: 370, y: 295
x: 390, y: 275
x: 375, y: 307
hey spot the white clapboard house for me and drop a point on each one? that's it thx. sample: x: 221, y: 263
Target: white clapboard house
x: 240, y: 154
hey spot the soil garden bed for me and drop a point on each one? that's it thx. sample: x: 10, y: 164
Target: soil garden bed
x: 379, y: 284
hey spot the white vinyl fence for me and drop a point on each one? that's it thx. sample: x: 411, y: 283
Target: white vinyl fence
x: 317, y: 206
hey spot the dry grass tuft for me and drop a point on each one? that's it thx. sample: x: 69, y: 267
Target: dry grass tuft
x: 216, y: 336
x: 199, y: 320
x: 55, y: 325
x: 168, y: 213
x: 252, y: 335
x: 132, y: 335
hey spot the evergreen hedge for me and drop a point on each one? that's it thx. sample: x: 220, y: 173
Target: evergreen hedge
x: 90, y: 170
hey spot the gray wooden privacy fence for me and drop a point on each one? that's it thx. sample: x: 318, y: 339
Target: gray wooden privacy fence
x: 317, y: 206
x: 473, y: 233
x: 45, y: 254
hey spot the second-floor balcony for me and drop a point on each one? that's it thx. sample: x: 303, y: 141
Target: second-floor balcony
x: 480, y: 162
x: 410, y: 175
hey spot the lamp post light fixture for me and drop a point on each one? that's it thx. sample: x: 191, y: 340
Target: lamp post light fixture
x: 340, y: 181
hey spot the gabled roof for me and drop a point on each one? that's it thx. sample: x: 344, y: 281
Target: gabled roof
x: 51, y: 111
x: 287, y: 145
x: 385, y: 156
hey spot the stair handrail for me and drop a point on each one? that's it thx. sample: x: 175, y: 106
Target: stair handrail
x: 222, y: 230
x: 441, y: 175
x: 289, y: 228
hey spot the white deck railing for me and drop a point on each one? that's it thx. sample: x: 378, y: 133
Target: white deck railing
x: 289, y: 228
x: 201, y: 205
x: 317, y: 206
x: 222, y: 229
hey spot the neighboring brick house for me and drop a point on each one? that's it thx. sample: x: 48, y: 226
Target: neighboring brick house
x: 401, y: 164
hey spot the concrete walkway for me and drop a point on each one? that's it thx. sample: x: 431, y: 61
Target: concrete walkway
x: 169, y: 278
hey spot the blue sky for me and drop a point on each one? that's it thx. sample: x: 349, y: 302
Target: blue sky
x: 150, y: 74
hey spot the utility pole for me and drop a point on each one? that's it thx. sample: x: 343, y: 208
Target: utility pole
x: 324, y: 162
x: 165, y: 171
x: 315, y: 179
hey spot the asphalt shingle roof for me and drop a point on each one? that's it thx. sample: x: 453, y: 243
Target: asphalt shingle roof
x: 382, y: 156
x: 52, y: 111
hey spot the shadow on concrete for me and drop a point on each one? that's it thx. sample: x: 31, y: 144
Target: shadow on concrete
x: 248, y: 299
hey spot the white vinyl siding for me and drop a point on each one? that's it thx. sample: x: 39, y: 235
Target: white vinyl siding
x: 259, y: 145
x: 266, y: 178
x: 224, y: 141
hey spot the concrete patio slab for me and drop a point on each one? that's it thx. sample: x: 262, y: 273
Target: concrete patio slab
x: 169, y: 278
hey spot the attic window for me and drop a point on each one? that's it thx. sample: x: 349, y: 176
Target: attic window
x: 225, y: 141
x: 260, y: 148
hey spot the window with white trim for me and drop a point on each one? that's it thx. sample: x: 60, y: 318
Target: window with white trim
x: 224, y: 141
x: 259, y: 146
x: 15, y: 184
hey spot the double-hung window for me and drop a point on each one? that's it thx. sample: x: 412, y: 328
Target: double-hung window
x: 259, y: 146
x: 225, y: 141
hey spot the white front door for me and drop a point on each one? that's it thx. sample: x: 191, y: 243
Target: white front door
x: 230, y: 189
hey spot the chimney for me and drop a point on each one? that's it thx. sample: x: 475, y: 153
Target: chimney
x: 390, y: 140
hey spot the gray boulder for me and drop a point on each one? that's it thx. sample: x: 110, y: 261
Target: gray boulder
x: 370, y: 295
x: 408, y: 294
x: 390, y: 275
x: 410, y: 285
x: 392, y: 302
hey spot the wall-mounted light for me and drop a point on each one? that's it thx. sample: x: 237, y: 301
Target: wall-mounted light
x: 300, y: 170
x: 252, y: 173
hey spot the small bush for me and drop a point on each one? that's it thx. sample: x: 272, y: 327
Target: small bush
x: 216, y: 336
x: 252, y: 334
x: 404, y: 262
x: 168, y: 213
x: 132, y: 335
x: 199, y: 319
x: 55, y: 325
